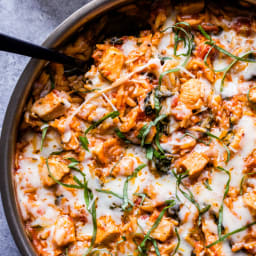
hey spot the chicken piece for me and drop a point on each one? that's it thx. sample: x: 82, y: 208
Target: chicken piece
x: 252, y: 95
x: 191, y: 94
x: 107, y: 151
x: 58, y: 169
x: 194, y: 162
x: 64, y: 231
x: 163, y: 231
x: 51, y: 106
x: 112, y: 63
x: 251, y: 160
x: 129, y: 121
x: 209, y: 229
x: 235, y: 144
x: 124, y: 168
x: 250, y: 199
x: 87, y: 109
x: 108, y: 231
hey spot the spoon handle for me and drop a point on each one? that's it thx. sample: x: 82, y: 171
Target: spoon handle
x: 14, y: 45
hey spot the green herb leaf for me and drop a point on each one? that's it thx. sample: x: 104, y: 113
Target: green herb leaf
x: 206, y: 56
x: 87, y: 194
x: 157, y: 141
x: 178, y: 244
x: 155, y: 225
x: 204, y: 33
x: 189, y: 195
x: 73, y: 164
x: 57, y: 152
x: 205, y: 62
x: 146, y: 128
x: 164, y: 58
x: 135, y: 173
x: 142, y: 195
x: 163, y: 74
x: 213, y: 136
x: 182, y: 23
x: 114, y: 166
x: 179, y: 178
x: 122, y: 136
x: 149, y: 152
x: 59, y: 182
x: 220, y: 219
x: 192, y: 199
x: 205, y: 209
x: 243, y: 179
x: 194, y: 137
x: 248, y: 95
x: 88, y: 197
x: 78, y: 181
x: 222, y: 238
x: 94, y: 233
x: 178, y: 39
x: 187, y: 40
x: 125, y: 195
x: 44, y: 129
x: 157, y: 100
x: 73, y: 160
x: 84, y: 141
x: 236, y: 58
x: 110, y: 193
x: 224, y: 145
x: 213, y: 44
x: 125, y: 188
x: 112, y: 115
x: 229, y: 67
x: 155, y: 246
x: 241, y: 184
x: 206, y: 184
x: 228, y: 53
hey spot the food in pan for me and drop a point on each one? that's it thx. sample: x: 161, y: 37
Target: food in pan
x: 153, y: 150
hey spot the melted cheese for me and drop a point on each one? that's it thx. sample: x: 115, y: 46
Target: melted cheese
x: 213, y: 197
x: 128, y: 46
x: 42, y: 206
x: 250, y: 71
x: 237, y: 218
x: 247, y: 144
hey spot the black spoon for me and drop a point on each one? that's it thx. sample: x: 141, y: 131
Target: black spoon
x: 14, y: 45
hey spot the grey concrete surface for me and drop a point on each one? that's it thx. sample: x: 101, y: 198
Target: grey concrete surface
x: 30, y: 20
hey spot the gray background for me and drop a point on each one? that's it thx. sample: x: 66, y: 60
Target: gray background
x: 31, y: 20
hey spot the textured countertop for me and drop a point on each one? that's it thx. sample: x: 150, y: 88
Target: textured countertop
x: 31, y: 20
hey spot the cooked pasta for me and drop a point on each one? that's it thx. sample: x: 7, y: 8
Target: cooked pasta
x: 153, y: 150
